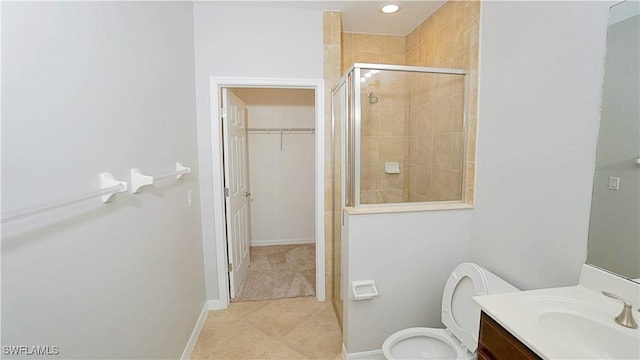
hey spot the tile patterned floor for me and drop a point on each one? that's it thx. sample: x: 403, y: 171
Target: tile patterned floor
x: 298, y: 328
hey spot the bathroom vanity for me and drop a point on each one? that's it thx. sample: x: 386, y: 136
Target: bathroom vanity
x: 496, y: 343
x: 574, y: 322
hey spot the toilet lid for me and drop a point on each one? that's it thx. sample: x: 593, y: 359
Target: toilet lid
x: 460, y: 314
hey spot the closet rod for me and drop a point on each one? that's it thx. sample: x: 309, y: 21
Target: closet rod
x: 109, y: 187
x: 280, y: 130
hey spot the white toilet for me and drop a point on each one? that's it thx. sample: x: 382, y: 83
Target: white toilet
x: 460, y: 315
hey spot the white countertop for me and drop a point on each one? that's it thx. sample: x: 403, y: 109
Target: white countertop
x: 514, y: 312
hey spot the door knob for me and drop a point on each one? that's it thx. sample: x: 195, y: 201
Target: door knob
x: 247, y: 194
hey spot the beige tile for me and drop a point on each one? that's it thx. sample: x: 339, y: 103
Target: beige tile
x: 469, y: 182
x: 326, y: 27
x: 413, y: 176
x: 366, y: 43
x: 455, y: 185
x: 365, y: 57
x: 458, y: 85
x: 392, y: 196
x: 346, y: 64
x: 392, y: 148
x: 461, y: 43
x: 457, y: 152
x: 426, y: 119
x: 398, y: 58
x: 370, y: 152
x: 347, y: 41
x: 425, y: 146
x: 280, y: 350
x: 336, y: 26
x: 368, y: 196
x: 312, y: 332
x: 386, y: 59
x: 471, y: 142
x: 443, y: 116
x: 233, y: 340
x: 418, y: 198
x: 440, y: 184
x: 393, y: 122
x: 426, y: 52
x: 393, y: 95
x: 444, y: 15
x: 370, y: 119
x: 428, y: 86
x: 391, y: 181
x: 369, y: 176
x: 457, y: 113
x: 413, y: 120
x: 461, y: 62
x: 277, y: 323
x: 423, y: 181
x: 412, y: 57
x: 445, y: 85
x: 426, y: 29
x: 412, y: 39
x: 320, y: 339
x: 235, y: 312
x: 398, y: 76
x: 444, y: 42
x: 392, y: 44
x: 442, y: 151
x: 462, y: 15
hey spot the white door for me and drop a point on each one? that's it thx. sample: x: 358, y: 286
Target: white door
x: 237, y: 194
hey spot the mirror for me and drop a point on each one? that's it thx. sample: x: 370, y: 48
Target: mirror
x: 614, y: 230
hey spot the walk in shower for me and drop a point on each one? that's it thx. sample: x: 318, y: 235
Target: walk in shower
x: 404, y: 134
x: 399, y: 138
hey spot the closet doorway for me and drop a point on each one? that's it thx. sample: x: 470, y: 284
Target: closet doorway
x: 269, y: 148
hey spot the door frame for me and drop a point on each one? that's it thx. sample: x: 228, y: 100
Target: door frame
x: 216, y: 83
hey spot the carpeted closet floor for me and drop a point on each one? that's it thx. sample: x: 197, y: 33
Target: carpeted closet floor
x: 277, y: 272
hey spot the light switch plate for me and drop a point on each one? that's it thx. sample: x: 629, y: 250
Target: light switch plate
x: 614, y: 183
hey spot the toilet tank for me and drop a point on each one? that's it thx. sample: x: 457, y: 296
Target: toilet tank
x: 497, y: 285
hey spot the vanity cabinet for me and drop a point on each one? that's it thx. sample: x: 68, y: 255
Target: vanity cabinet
x: 496, y: 343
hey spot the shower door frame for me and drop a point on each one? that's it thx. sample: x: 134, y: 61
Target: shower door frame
x: 354, y: 166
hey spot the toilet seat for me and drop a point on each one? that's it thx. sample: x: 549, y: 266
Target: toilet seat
x: 460, y: 314
x: 423, y: 343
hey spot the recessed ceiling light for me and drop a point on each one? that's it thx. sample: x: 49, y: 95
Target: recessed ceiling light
x: 389, y: 8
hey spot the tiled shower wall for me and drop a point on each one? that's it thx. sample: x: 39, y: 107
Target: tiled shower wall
x: 384, y: 131
x: 431, y: 164
x: 332, y: 29
x: 435, y: 137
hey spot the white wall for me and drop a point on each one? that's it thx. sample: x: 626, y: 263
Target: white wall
x: 87, y: 88
x: 410, y: 256
x: 541, y: 69
x: 240, y: 41
x: 281, y: 176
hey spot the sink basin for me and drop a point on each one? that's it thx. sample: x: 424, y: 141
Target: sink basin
x: 581, y: 330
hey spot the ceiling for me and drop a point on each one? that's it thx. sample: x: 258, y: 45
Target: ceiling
x: 361, y: 16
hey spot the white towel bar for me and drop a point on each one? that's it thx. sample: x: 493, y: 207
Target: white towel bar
x: 138, y: 180
x: 109, y: 186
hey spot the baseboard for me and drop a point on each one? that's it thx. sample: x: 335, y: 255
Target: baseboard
x: 368, y: 355
x: 283, y: 242
x: 216, y: 305
x: 188, y: 349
